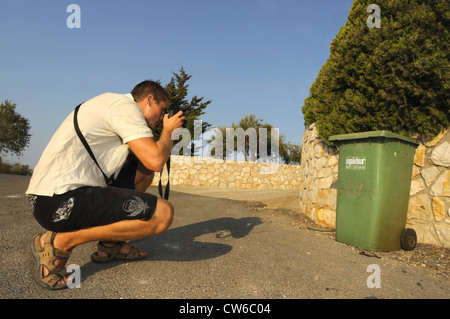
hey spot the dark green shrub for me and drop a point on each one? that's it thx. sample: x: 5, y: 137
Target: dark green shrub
x: 394, y: 78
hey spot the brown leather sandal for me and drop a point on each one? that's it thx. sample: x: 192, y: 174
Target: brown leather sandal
x: 46, y: 257
x: 113, y: 253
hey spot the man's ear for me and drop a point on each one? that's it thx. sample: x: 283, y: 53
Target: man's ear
x: 150, y: 99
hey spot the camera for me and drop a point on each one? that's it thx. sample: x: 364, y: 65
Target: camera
x: 172, y: 113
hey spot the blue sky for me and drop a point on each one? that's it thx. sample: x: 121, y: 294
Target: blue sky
x: 248, y: 56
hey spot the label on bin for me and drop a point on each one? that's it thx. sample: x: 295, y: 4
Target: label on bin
x: 355, y: 162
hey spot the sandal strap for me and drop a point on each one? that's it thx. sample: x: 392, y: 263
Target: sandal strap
x: 49, y: 254
x: 114, y: 251
x: 53, y: 278
x: 133, y: 253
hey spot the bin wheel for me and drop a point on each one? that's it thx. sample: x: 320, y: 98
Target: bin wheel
x: 409, y: 239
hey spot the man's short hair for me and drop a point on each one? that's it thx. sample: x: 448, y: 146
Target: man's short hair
x: 143, y: 89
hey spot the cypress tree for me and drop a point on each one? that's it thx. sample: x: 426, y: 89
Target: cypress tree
x: 193, y: 109
x: 394, y: 78
x: 178, y: 88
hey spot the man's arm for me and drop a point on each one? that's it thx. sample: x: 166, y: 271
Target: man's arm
x: 153, y: 155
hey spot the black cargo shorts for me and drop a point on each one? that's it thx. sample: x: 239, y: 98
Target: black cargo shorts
x: 94, y: 206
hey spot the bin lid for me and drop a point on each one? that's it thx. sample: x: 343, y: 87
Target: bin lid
x: 362, y: 135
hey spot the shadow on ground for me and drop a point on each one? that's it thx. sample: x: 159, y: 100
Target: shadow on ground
x: 181, y: 244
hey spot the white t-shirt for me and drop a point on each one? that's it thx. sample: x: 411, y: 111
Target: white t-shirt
x: 107, y: 122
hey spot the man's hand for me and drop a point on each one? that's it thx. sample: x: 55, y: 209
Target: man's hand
x: 174, y: 122
x: 153, y: 155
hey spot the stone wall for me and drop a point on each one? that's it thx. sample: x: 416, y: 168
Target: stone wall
x: 429, y: 205
x: 318, y: 190
x: 209, y: 172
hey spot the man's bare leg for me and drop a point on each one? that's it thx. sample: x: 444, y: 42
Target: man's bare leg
x: 119, y: 231
x: 123, y: 230
x: 142, y: 182
x: 143, y: 179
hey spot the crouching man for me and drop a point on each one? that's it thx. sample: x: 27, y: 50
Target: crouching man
x: 69, y: 194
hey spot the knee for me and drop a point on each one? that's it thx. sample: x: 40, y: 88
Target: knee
x: 164, y: 215
x: 170, y: 210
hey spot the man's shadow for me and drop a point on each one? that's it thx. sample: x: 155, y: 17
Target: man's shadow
x: 180, y: 244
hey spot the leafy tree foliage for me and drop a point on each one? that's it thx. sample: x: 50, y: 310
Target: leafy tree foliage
x: 17, y: 169
x: 178, y: 88
x: 14, y: 130
x: 193, y: 109
x: 289, y: 153
x: 395, y: 77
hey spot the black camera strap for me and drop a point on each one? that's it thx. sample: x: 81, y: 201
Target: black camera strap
x: 108, y: 180
x: 166, y: 195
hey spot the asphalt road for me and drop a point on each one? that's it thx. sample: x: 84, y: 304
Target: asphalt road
x: 219, y: 246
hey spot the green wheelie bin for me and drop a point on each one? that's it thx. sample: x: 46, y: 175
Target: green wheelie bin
x: 375, y: 171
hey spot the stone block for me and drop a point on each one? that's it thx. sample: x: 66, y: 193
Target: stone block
x: 325, y: 182
x: 323, y: 198
x: 441, y: 155
x: 442, y: 185
x: 430, y: 175
x: 443, y: 233
x: 324, y: 172
x: 326, y: 217
x: 436, y: 140
x: 333, y: 160
x: 420, y: 208
x: 438, y: 209
x: 416, y: 170
x: 333, y: 199
x: 419, y: 157
x: 426, y: 233
x: 417, y: 186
